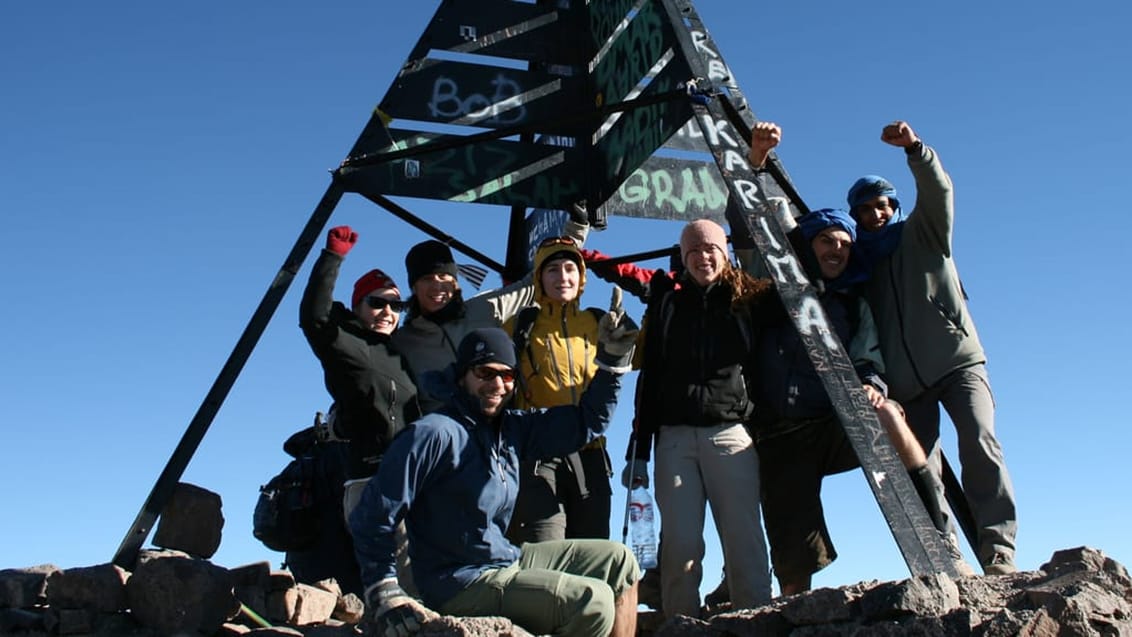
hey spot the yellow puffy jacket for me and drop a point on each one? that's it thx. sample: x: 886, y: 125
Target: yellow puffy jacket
x: 557, y: 362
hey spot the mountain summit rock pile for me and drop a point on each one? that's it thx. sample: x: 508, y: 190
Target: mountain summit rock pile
x: 179, y: 592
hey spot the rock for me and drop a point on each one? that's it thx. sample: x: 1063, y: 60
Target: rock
x: 192, y: 522
x: 926, y: 595
x: 13, y: 619
x: 821, y: 606
x: 314, y: 605
x: 350, y: 609
x: 1078, y: 592
x: 251, y: 583
x: 25, y: 587
x: 329, y: 585
x: 445, y: 626
x: 75, y: 621
x: 182, y: 594
x: 101, y: 588
x: 255, y: 574
x: 281, y: 581
x: 281, y: 605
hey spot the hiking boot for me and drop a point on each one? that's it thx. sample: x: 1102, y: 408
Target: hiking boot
x: 955, y: 554
x: 720, y: 596
x: 999, y: 564
x: 648, y: 590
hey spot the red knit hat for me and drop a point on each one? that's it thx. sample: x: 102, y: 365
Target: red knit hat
x: 370, y: 282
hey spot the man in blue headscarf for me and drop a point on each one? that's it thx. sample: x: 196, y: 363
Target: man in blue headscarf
x: 797, y: 435
x: 928, y: 338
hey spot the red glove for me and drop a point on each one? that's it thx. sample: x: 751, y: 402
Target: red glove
x: 340, y: 240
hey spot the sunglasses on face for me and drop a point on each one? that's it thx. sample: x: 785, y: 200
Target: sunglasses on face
x: 379, y: 303
x: 483, y: 372
x: 557, y: 241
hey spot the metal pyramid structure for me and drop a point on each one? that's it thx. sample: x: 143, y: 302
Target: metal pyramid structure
x: 627, y: 105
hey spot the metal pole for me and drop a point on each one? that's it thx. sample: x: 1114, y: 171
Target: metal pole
x: 166, y: 483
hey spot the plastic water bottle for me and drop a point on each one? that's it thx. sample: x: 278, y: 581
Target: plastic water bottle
x: 642, y: 527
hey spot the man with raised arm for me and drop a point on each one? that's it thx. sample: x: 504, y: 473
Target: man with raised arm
x: 928, y: 338
x: 453, y: 477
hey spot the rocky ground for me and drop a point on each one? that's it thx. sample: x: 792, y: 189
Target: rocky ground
x: 177, y: 591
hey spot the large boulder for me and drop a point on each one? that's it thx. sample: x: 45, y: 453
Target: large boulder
x: 173, y: 594
x: 192, y: 522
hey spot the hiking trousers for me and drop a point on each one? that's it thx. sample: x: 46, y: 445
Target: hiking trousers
x: 966, y: 395
x: 564, y: 587
x: 695, y: 466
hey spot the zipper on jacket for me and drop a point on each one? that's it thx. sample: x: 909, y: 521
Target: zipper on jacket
x: 392, y: 407
x: 569, y: 361
x: 948, y: 314
x: 498, y: 456
x: 702, y: 329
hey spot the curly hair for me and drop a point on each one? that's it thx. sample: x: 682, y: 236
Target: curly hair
x: 744, y: 287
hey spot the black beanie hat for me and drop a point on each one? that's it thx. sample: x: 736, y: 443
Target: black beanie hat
x: 485, y: 345
x: 429, y: 257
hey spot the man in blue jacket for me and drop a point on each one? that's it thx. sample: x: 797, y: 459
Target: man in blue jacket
x: 453, y: 477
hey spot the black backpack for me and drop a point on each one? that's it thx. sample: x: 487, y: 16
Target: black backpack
x: 287, y: 515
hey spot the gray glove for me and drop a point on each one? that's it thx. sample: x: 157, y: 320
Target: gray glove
x: 780, y: 206
x: 636, y: 472
x: 395, y: 614
x: 616, y: 337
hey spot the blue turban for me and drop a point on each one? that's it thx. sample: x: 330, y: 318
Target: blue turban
x: 870, y: 187
x: 875, y: 246
x: 812, y: 223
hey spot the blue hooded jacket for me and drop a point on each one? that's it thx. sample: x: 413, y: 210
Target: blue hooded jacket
x: 453, y: 476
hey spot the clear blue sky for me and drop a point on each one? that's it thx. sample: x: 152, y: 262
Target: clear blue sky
x: 158, y: 161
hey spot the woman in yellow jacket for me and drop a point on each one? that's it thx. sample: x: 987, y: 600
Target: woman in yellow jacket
x: 566, y: 497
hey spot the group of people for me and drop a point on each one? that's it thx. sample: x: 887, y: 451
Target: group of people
x: 478, y: 480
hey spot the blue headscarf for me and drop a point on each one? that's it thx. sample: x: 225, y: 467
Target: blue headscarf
x: 875, y: 246
x: 814, y: 222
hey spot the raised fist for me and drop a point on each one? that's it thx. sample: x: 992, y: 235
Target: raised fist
x: 764, y: 137
x: 899, y: 133
x: 340, y: 240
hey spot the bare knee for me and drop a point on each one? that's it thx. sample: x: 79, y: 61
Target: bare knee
x: 891, y: 416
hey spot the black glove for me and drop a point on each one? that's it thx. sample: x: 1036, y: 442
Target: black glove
x: 395, y: 614
x: 636, y: 473
x: 616, y: 337
x: 579, y: 213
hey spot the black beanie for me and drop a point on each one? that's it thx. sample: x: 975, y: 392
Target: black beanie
x: 429, y: 257
x: 485, y: 345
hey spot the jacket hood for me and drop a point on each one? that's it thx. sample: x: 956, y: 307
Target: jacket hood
x: 549, y: 252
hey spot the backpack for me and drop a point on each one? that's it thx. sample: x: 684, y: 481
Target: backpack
x: 287, y: 516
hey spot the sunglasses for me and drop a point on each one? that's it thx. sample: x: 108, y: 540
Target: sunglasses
x: 557, y: 241
x: 483, y: 372
x: 379, y: 303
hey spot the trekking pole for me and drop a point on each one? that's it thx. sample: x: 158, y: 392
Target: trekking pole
x: 629, y: 495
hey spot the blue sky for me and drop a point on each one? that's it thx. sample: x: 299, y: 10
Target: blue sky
x: 157, y: 163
